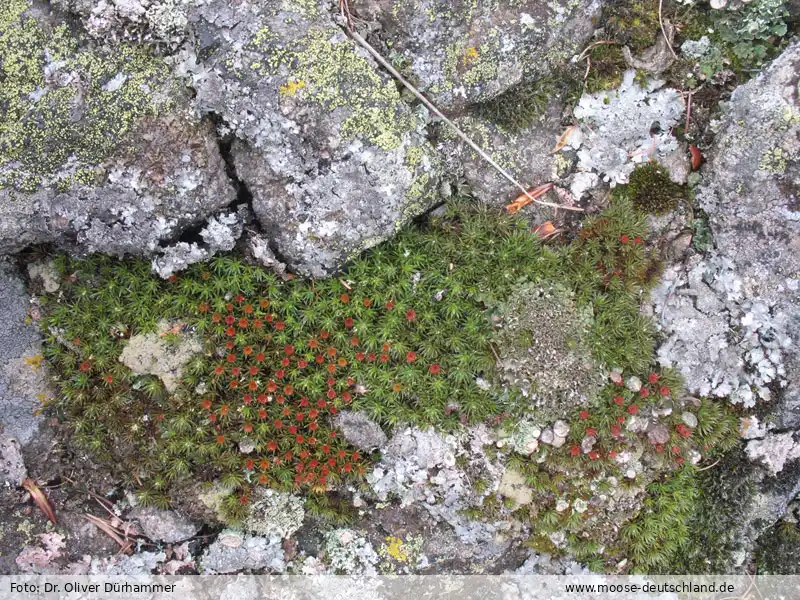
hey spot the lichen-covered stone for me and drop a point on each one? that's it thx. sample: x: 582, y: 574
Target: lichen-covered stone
x: 463, y: 52
x: 333, y: 157
x: 731, y: 319
x: 274, y: 513
x: 164, y: 525
x: 98, y: 152
x: 361, y: 431
x: 526, y: 154
x: 254, y: 553
x: 155, y: 354
x: 615, y: 134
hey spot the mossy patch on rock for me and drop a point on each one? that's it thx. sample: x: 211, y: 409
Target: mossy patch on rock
x: 542, y: 340
x: 651, y: 189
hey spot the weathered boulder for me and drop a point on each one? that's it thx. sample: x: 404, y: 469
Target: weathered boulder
x: 460, y: 53
x: 98, y: 150
x: 731, y: 318
x: 23, y: 375
x: 334, y: 159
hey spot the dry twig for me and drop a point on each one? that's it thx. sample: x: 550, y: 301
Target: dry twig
x: 663, y: 29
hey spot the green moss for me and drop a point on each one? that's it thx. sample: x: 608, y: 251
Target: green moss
x: 651, y: 189
x: 633, y: 23
x: 523, y: 105
x: 419, y: 336
x: 44, y: 125
x: 779, y: 549
x: 658, y: 535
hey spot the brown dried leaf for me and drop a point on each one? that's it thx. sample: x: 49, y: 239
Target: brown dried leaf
x: 38, y: 496
x: 544, y: 230
x: 563, y: 139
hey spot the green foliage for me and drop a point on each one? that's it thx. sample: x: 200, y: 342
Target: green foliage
x: 525, y: 104
x: 403, y: 339
x: 633, y: 23
x: 749, y: 31
x: 651, y: 189
x: 779, y: 549
x: 659, y: 533
x: 725, y: 493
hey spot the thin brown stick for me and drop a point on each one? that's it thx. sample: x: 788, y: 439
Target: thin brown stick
x: 714, y: 464
x: 688, y: 112
x: 663, y: 30
x: 464, y: 137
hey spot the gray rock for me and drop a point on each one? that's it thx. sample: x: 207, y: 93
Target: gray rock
x: 164, y: 525
x: 460, y: 53
x: 253, y: 553
x: 12, y: 465
x: 105, y: 156
x: 23, y: 377
x: 360, y: 430
x: 561, y: 428
x: 525, y: 154
x: 335, y: 160
x: 731, y: 319
x: 547, y: 436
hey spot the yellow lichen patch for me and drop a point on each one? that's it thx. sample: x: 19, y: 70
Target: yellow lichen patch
x: 396, y: 549
x: 34, y: 361
x: 290, y: 87
x: 470, y: 55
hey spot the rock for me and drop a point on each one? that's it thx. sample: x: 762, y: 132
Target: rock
x: 463, y: 54
x: 561, y: 428
x: 730, y: 320
x: 334, y: 159
x: 617, y: 127
x: 658, y: 434
x: 358, y: 429
x: 524, y: 153
x: 152, y: 354
x: 105, y: 155
x: 513, y: 486
x: 274, y: 513
x: 164, y: 525
x: 690, y: 419
x: 12, y: 465
x: 254, y: 552
x: 562, y: 505
x: 547, y: 436
x: 23, y: 374
x: 588, y: 443
x: 44, y: 274
x: 774, y: 451
x: 634, y: 384
x: 559, y: 441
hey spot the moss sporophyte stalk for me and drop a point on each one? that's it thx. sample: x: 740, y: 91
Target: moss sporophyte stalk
x: 402, y: 335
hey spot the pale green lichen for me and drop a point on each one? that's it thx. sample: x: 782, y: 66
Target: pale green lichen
x: 774, y: 161
x: 325, y: 70
x: 64, y: 104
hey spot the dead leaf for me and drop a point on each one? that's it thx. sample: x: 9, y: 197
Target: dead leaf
x: 563, y: 139
x: 697, y: 157
x: 544, y: 230
x: 105, y: 527
x: 38, y: 496
x: 524, y: 199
